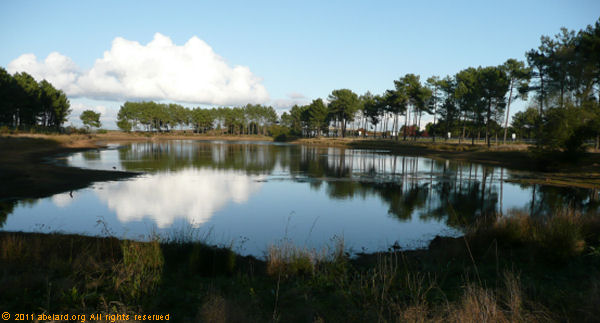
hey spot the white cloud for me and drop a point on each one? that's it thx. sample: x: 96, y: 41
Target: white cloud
x: 107, y: 115
x: 60, y: 70
x: 62, y: 200
x: 293, y: 98
x: 159, y: 70
x: 296, y: 95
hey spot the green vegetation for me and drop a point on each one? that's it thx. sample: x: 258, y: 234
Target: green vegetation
x: 539, y: 266
x: 561, y: 76
x: 151, y: 116
x: 90, y: 118
x: 507, y: 269
x: 26, y: 104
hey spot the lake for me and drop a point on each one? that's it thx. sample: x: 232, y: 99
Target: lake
x: 250, y: 195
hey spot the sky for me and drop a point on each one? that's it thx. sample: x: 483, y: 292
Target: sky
x: 279, y: 53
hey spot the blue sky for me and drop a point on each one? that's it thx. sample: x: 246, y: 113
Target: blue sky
x: 292, y: 52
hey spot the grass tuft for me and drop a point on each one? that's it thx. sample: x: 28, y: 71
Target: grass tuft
x: 140, y: 271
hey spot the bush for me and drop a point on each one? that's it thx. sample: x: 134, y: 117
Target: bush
x: 565, y: 130
x: 74, y: 130
x: 281, y: 133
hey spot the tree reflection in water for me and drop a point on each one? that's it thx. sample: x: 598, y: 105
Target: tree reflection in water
x: 456, y: 192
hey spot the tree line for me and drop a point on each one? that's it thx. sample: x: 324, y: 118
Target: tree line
x: 152, y: 116
x: 26, y: 104
x: 562, y: 76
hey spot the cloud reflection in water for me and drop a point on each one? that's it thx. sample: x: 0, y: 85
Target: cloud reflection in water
x: 190, y: 194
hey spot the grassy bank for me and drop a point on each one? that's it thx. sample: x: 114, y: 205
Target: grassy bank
x: 513, y: 269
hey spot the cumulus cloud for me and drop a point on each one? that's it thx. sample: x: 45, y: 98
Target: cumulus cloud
x: 159, y: 70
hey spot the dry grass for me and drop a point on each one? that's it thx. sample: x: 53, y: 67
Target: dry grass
x: 99, y: 274
x: 559, y: 237
x: 479, y: 304
x: 288, y: 260
x: 218, y: 309
x: 505, y: 305
x: 11, y: 248
x: 214, y: 310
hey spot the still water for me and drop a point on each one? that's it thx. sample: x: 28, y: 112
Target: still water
x: 252, y: 194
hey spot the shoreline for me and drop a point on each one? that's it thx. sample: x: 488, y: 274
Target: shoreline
x: 27, y: 174
x: 512, y: 255
x: 584, y: 174
x: 78, y: 273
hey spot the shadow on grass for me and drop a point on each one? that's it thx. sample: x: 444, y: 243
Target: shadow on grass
x: 509, y: 269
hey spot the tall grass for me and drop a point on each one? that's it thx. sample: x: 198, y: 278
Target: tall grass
x: 392, y: 291
x: 563, y: 236
x: 501, y: 271
x: 140, y: 271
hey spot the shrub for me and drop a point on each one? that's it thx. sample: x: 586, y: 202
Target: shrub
x: 566, y: 130
x: 74, y: 130
x: 281, y: 133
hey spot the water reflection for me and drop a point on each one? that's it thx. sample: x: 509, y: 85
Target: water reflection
x: 62, y: 200
x: 173, y: 156
x: 458, y: 193
x: 6, y: 208
x: 190, y: 194
x: 249, y: 189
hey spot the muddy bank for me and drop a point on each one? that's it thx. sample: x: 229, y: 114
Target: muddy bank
x: 26, y: 172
